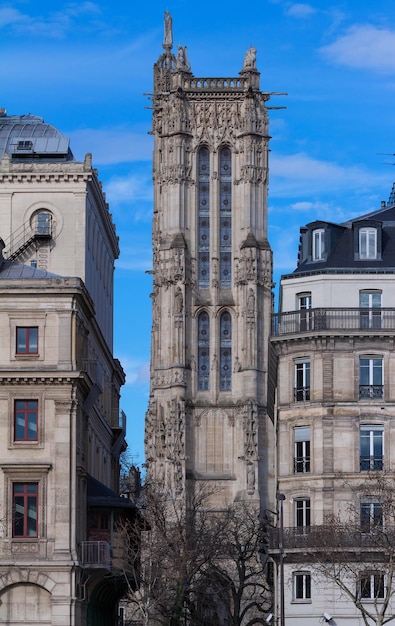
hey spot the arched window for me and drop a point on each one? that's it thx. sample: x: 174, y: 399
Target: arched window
x: 203, y: 351
x: 225, y: 216
x: 204, y: 217
x: 225, y: 365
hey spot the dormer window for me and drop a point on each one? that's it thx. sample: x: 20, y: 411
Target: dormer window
x: 368, y: 243
x: 318, y: 244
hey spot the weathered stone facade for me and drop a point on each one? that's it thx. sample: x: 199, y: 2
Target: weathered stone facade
x: 212, y: 280
x: 61, y: 427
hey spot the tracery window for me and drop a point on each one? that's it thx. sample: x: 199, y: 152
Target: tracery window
x: 204, y: 217
x: 203, y: 351
x: 225, y: 217
x: 225, y: 365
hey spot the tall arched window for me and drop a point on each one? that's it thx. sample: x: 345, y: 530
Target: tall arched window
x: 203, y: 351
x: 225, y: 216
x: 204, y: 217
x: 225, y: 364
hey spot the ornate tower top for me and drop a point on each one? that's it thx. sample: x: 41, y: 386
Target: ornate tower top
x: 173, y: 72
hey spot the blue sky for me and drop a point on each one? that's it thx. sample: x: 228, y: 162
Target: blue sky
x: 86, y: 66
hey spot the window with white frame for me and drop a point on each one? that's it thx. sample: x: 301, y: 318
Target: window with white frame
x: 371, y: 377
x: 302, y: 513
x: 371, y: 586
x: 318, y: 244
x: 371, y: 447
x: 302, y: 449
x: 368, y: 243
x: 370, y: 305
x: 304, y: 306
x: 371, y: 515
x: 302, y: 380
x: 302, y: 586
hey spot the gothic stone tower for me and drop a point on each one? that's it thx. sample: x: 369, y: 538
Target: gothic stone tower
x: 212, y: 279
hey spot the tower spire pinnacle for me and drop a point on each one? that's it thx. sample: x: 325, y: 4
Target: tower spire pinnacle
x: 168, y: 40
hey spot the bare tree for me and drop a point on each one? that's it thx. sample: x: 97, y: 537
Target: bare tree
x: 359, y: 556
x: 236, y: 583
x: 197, y: 564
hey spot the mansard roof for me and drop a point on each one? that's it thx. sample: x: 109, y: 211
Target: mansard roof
x: 29, y: 138
x: 341, y: 244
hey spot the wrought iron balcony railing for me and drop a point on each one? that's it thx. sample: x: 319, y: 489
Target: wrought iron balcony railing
x: 330, y: 537
x: 301, y: 464
x: 323, y: 320
x: 95, y: 554
x: 371, y: 391
x: 371, y: 463
x: 301, y: 394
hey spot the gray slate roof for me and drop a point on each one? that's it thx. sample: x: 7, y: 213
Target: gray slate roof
x: 15, y: 270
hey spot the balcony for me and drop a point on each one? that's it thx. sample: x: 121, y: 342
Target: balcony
x: 334, y: 320
x: 371, y: 463
x: 332, y: 537
x: 96, y: 554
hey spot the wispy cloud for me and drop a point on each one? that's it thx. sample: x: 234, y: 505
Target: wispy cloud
x: 112, y: 145
x: 292, y: 174
x: 56, y: 24
x: 364, y: 46
x: 137, y: 370
x: 300, y: 10
x: 130, y: 188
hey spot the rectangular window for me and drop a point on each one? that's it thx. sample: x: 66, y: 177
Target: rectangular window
x: 370, y: 305
x: 372, y: 586
x: 25, y: 501
x: 371, y: 448
x: 368, y: 243
x: 302, y: 380
x: 302, y: 449
x: 302, y: 513
x: 370, y: 377
x: 27, y: 340
x: 25, y: 420
x: 302, y: 586
x: 371, y: 516
x: 304, y: 306
x: 318, y: 244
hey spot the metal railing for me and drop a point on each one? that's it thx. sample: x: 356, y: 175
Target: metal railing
x: 321, y: 320
x: 371, y: 463
x: 371, y: 391
x: 95, y: 553
x: 330, y: 537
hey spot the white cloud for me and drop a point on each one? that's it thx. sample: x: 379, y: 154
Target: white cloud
x: 112, y: 145
x: 293, y: 174
x: 137, y: 371
x: 53, y: 25
x: 365, y: 47
x: 300, y: 10
x: 133, y: 187
x: 136, y: 258
x: 10, y: 16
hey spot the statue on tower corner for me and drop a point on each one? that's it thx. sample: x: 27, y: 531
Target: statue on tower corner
x: 168, y: 41
x: 250, y: 59
x: 182, y: 62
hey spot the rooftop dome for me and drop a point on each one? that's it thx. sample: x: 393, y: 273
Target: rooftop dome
x: 29, y: 138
